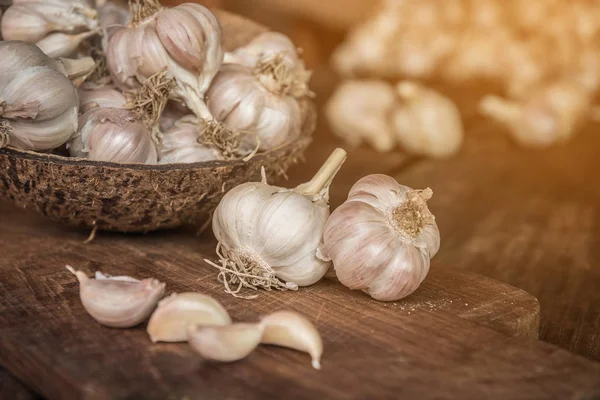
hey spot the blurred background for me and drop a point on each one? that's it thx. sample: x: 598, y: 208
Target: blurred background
x: 496, y: 114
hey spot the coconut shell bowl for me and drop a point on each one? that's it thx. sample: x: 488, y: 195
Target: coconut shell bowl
x: 136, y: 197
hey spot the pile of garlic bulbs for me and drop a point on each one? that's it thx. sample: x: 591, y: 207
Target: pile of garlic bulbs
x: 157, y: 86
x: 529, y: 48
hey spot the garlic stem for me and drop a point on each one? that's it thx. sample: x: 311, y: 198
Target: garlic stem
x: 324, y: 176
x: 499, y: 109
x: 142, y: 9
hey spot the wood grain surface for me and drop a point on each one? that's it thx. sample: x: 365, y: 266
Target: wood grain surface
x: 416, y: 348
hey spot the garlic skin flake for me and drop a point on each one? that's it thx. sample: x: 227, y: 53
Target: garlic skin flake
x: 170, y: 321
x: 118, y: 302
x: 358, y: 111
x: 427, y: 123
x: 267, y: 233
x: 292, y: 330
x: 382, y: 238
x: 225, y: 343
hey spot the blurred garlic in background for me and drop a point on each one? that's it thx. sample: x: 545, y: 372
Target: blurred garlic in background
x: 359, y: 111
x: 426, y: 122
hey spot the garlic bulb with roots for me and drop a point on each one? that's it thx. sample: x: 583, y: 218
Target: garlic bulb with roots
x: 265, y: 45
x: 382, y: 238
x: 118, y: 301
x: 359, y: 111
x: 263, y: 101
x: 268, y: 236
x: 549, y: 115
x: 103, y: 97
x: 426, y: 122
x: 38, y: 108
x: 180, y: 144
x: 113, y: 135
x: 186, y: 40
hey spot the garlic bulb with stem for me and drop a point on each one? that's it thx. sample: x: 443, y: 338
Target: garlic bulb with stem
x: 118, y: 302
x: 358, y: 111
x: 268, y: 236
x: 181, y: 144
x: 265, y: 45
x: 382, y: 238
x: 38, y: 108
x: 170, y: 321
x: 186, y: 40
x: 225, y: 343
x: 263, y: 101
x: 547, y: 116
x: 426, y: 123
x: 293, y: 330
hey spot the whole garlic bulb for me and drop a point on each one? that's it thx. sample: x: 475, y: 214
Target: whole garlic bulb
x: 113, y: 135
x: 359, y: 111
x: 180, y: 144
x: 263, y: 103
x: 104, y: 97
x: 382, y: 238
x: 549, y: 115
x: 38, y: 108
x: 265, y: 45
x: 185, y: 39
x: 267, y: 233
x: 427, y: 123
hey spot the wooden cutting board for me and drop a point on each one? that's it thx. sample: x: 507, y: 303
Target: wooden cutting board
x: 454, y: 338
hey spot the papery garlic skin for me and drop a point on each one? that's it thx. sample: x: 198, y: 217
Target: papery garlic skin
x: 292, y: 330
x: 359, y: 111
x: 263, y: 46
x: 113, y: 135
x: 427, y: 123
x: 239, y: 100
x: 185, y: 39
x: 118, y: 302
x: 225, y: 343
x: 38, y: 108
x: 104, y: 97
x: 382, y: 238
x: 170, y: 321
x: 180, y: 144
x: 548, y: 116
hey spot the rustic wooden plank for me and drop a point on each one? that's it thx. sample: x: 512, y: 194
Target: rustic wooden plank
x: 416, y: 348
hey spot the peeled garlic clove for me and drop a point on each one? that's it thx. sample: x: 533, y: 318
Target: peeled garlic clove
x: 225, y: 343
x: 170, y: 321
x: 290, y: 329
x: 382, y: 238
x: 118, y: 302
x: 60, y: 44
x: 427, y: 123
x: 358, y: 111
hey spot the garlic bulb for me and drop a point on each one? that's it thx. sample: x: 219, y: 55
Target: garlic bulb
x: 263, y: 101
x: 104, y: 97
x: 382, y: 238
x: 264, y: 46
x: 292, y: 330
x: 180, y: 144
x: 267, y: 233
x: 225, y: 343
x: 427, y: 123
x: 113, y: 135
x: 118, y: 302
x: 114, y: 12
x: 38, y: 108
x: 550, y: 115
x: 358, y: 111
x: 185, y: 39
x: 174, y: 314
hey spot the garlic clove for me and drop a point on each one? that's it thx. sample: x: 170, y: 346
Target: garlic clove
x: 225, y: 343
x: 119, y: 302
x: 20, y: 22
x: 292, y: 330
x: 60, y: 44
x: 177, y: 312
